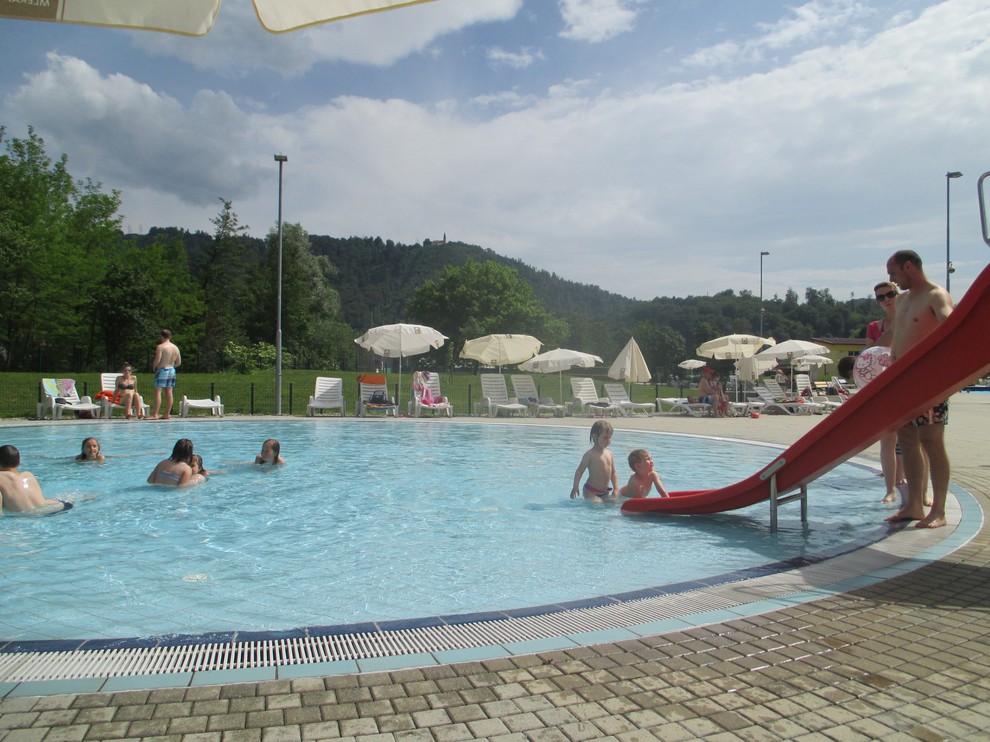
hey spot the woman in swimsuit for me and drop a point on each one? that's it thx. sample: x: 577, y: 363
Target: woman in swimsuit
x: 126, y: 393
x: 176, y: 470
x: 881, y: 332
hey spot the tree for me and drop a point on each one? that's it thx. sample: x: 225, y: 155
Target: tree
x: 55, y: 238
x: 662, y: 346
x: 479, y: 299
x: 224, y: 270
x: 312, y: 328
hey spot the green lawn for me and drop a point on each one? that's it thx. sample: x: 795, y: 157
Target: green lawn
x: 249, y: 394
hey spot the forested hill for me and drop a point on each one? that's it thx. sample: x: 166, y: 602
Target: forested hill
x: 377, y: 277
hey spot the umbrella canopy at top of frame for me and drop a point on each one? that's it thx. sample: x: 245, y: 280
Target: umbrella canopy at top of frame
x: 733, y: 346
x: 630, y: 365
x: 501, y: 349
x: 194, y: 17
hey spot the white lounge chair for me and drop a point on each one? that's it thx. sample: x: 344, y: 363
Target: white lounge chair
x: 524, y: 388
x: 682, y: 406
x: 586, y: 400
x: 439, y: 402
x: 108, y: 383
x: 495, y: 397
x: 373, y: 396
x: 215, y: 406
x: 61, y: 394
x: 786, y: 405
x: 328, y: 395
x: 617, y: 395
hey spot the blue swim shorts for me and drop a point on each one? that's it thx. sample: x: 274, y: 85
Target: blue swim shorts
x: 165, y: 377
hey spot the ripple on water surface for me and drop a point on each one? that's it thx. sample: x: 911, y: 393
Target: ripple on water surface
x: 371, y: 521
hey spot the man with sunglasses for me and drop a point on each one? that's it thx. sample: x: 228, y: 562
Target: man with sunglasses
x: 920, y: 309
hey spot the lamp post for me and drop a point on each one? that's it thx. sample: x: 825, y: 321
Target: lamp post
x: 281, y: 160
x: 948, y: 262
x: 762, y: 254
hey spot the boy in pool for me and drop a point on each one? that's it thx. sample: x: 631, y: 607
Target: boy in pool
x: 197, y: 466
x: 19, y: 490
x: 91, y: 451
x: 644, y: 478
x: 600, y: 465
x: 269, y: 453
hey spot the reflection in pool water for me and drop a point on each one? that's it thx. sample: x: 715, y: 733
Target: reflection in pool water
x: 370, y: 521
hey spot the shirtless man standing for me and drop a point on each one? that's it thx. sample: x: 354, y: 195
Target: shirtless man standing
x: 167, y: 359
x: 920, y: 309
x: 19, y: 490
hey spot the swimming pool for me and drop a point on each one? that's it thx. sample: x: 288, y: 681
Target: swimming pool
x: 370, y: 520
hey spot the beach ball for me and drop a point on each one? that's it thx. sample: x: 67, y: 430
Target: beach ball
x: 870, y: 364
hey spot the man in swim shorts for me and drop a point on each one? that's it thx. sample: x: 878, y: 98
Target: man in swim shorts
x: 921, y: 308
x: 167, y: 359
x: 19, y: 490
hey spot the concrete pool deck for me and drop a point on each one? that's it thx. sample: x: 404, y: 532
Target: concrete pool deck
x: 901, y: 658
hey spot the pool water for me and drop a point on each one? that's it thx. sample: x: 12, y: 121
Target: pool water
x: 368, y: 521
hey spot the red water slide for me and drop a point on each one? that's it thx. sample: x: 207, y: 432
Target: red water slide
x: 948, y: 359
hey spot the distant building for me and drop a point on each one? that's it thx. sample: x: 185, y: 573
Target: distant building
x: 838, y: 347
x: 428, y: 241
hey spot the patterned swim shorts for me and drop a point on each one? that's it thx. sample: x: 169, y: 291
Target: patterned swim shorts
x: 937, y: 415
x: 165, y: 377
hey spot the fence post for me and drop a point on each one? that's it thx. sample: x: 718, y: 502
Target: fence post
x: 252, y: 397
x: 290, y: 397
x: 470, y: 407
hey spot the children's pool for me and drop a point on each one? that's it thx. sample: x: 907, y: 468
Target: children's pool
x: 369, y: 521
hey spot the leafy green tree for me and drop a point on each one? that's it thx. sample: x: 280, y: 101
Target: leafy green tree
x: 312, y: 328
x: 224, y: 271
x: 55, y: 236
x: 662, y: 346
x: 479, y: 299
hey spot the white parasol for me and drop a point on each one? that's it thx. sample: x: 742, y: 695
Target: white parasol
x: 559, y: 360
x: 733, y: 346
x: 792, y: 349
x: 630, y: 365
x: 400, y: 341
x: 501, y: 350
x: 192, y: 17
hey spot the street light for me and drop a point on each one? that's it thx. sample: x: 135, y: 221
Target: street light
x: 281, y: 160
x: 948, y: 262
x: 762, y: 253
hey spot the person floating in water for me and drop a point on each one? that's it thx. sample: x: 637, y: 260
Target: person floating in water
x: 644, y: 477
x: 599, y: 464
x: 176, y: 470
x: 269, y: 453
x: 19, y: 490
x: 90, y: 451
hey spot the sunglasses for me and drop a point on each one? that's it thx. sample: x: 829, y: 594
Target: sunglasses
x: 888, y: 295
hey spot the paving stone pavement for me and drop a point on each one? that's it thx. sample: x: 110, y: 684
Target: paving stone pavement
x: 903, y: 659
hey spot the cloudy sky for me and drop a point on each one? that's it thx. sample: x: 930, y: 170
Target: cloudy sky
x: 650, y: 147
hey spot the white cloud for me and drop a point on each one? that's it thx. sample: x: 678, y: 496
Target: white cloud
x: 136, y: 137
x: 830, y: 160
x: 810, y: 23
x: 597, y: 20
x: 521, y: 59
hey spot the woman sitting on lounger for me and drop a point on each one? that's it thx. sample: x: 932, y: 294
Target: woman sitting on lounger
x: 125, y: 391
